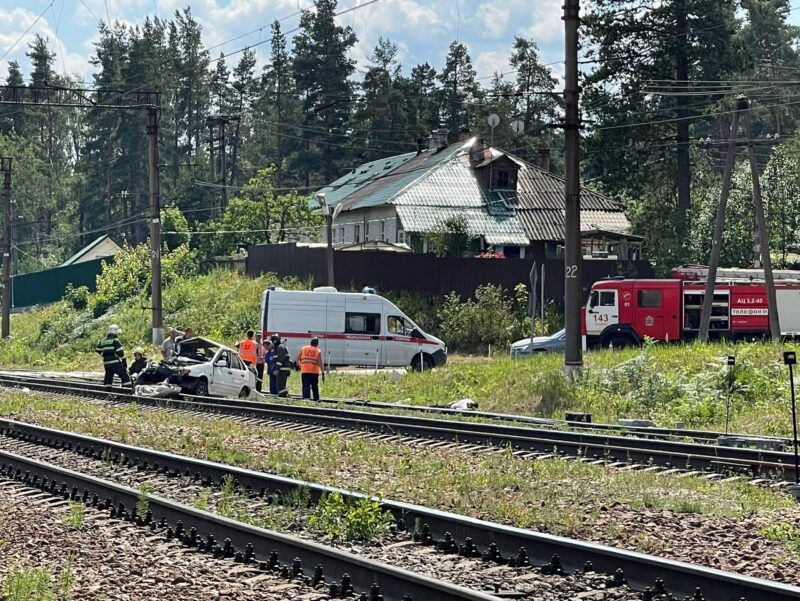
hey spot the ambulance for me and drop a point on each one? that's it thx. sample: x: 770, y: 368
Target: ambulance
x: 354, y: 328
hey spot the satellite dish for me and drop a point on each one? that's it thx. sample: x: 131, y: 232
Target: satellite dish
x: 518, y: 126
x: 493, y: 120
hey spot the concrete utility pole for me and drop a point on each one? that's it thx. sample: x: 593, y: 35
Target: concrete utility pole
x: 328, y: 213
x: 155, y: 224
x: 719, y: 226
x: 573, y: 293
x: 5, y: 167
x: 763, y: 234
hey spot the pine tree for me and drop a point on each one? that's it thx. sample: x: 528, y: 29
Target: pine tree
x: 12, y: 119
x: 459, y: 88
x: 220, y: 88
x: 322, y: 70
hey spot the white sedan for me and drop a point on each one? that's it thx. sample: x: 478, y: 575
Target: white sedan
x: 205, y: 367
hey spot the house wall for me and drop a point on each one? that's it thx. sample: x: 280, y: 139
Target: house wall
x: 107, y: 248
x: 374, y: 223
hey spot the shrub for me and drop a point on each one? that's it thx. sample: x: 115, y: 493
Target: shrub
x: 78, y: 298
x: 473, y: 325
x: 350, y: 519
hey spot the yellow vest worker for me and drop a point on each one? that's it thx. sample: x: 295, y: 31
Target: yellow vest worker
x: 311, y: 366
x: 247, y: 349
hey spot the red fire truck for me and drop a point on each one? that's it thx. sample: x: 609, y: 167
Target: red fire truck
x: 622, y: 312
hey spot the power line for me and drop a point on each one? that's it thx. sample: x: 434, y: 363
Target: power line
x: 6, y: 53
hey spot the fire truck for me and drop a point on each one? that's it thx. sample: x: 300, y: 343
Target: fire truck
x: 623, y: 312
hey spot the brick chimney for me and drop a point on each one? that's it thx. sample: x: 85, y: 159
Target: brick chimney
x: 543, y: 158
x: 438, y: 138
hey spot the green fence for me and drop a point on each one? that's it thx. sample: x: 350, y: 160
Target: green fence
x: 48, y: 286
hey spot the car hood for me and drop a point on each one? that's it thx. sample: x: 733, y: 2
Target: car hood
x: 525, y: 342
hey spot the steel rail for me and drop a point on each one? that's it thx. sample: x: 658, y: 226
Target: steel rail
x: 646, y: 451
x: 242, y: 541
x: 640, y: 570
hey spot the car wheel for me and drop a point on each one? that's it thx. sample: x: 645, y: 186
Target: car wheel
x: 619, y: 341
x: 427, y: 362
x: 244, y: 392
x: 201, y: 389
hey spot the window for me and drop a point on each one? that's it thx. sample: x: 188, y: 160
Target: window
x: 649, y: 298
x: 362, y: 323
x: 333, y: 235
x: 341, y: 234
x: 502, y: 178
x: 226, y: 357
x: 236, y: 363
x: 398, y: 325
x: 401, y: 236
x: 366, y: 231
x: 356, y: 234
x: 383, y: 231
x: 607, y: 298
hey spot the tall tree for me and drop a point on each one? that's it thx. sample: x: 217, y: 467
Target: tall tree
x: 322, y: 70
x: 12, y: 119
x: 460, y: 90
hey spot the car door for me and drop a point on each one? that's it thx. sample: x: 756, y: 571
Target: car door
x: 398, y: 346
x: 240, y: 376
x: 362, y: 337
x: 602, y: 311
x: 221, y: 383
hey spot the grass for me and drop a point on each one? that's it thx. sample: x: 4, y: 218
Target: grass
x: 29, y: 584
x: 557, y: 496
x: 76, y: 515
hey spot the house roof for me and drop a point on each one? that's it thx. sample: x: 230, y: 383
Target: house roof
x: 428, y: 187
x: 85, y: 250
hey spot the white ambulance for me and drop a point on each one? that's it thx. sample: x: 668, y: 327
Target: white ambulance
x: 354, y: 328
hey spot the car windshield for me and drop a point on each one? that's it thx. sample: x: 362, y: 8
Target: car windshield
x: 198, y: 349
x: 558, y: 335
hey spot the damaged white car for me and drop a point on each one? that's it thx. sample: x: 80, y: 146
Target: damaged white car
x: 201, y: 367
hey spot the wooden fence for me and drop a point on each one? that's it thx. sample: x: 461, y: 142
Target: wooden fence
x: 425, y: 273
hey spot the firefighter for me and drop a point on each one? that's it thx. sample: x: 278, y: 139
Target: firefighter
x: 247, y: 349
x: 114, y: 360
x: 139, y: 362
x: 260, y: 352
x: 270, y: 354
x: 283, y: 365
x: 311, y: 366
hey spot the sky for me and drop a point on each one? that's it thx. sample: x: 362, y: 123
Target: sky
x: 422, y: 29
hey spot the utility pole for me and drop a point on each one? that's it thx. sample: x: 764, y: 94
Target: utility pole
x: 5, y: 167
x: 155, y: 223
x: 573, y: 293
x: 719, y: 226
x: 329, y: 215
x: 763, y: 234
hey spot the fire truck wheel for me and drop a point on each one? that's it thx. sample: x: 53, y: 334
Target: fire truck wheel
x: 619, y: 341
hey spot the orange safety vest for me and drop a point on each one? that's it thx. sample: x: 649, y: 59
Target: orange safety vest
x: 247, y: 350
x: 310, y: 359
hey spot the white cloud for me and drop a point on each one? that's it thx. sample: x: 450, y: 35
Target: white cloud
x: 494, y: 16
x: 547, y: 25
x: 490, y: 62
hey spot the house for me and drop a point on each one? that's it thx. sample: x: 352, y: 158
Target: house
x: 101, y: 248
x: 509, y: 205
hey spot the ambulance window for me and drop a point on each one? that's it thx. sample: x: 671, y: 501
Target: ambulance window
x: 397, y: 325
x: 607, y: 298
x: 650, y: 298
x: 362, y: 323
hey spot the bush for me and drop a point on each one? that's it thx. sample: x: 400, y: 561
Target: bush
x: 473, y: 325
x: 77, y: 298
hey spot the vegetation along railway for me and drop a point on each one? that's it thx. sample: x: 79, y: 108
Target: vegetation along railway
x: 100, y: 473
x: 613, y: 448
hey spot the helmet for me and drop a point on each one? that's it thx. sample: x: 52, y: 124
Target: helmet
x: 314, y: 341
x: 275, y: 336
x: 139, y: 350
x: 114, y: 329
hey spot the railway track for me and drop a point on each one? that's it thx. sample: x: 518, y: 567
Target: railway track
x: 713, y: 460
x: 26, y: 453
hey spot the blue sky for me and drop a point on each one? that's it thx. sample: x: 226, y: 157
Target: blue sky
x: 423, y: 29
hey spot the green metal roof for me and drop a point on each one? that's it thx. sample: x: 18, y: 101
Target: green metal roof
x: 84, y: 251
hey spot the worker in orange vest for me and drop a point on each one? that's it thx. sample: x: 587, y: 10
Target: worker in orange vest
x: 247, y: 349
x: 311, y: 366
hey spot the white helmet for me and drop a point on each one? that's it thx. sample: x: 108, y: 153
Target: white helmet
x: 114, y: 329
x: 139, y: 350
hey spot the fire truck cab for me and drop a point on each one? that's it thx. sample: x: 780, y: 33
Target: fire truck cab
x: 622, y: 312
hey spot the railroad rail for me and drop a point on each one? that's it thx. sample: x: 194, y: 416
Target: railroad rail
x: 241, y: 542
x: 670, y: 454
x: 448, y: 531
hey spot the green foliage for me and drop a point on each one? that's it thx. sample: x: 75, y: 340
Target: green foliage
x: 143, y: 499
x: 29, y: 584
x: 76, y: 516
x: 343, y: 518
x: 473, y: 325
x: 78, y: 298
x: 784, y: 533
x: 451, y: 237
x: 172, y: 220
x: 129, y: 274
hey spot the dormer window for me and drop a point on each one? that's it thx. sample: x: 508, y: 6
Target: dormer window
x: 503, y: 178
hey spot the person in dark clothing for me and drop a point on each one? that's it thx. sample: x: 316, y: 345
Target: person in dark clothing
x: 139, y: 362
x: 283, y: 365
x: 114, y: 360
x: 260, y: 351
x: 270, y: 354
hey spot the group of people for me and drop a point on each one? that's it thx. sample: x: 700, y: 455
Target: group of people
x: 273, y: 357
x: 270, y: 357
x: 116, y: 364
